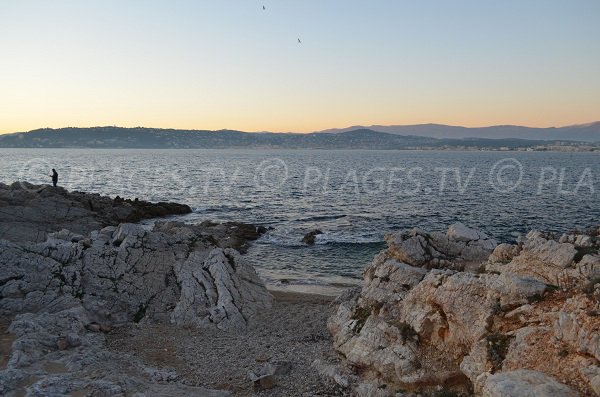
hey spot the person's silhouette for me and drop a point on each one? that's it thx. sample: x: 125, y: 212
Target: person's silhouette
x: 54, y: 177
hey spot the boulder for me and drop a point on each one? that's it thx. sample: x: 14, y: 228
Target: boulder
x: 458, y: 247
x: 504, y: 253
x: 540, y: 257
x: 459, y: 232
x: 310, y: 237
x: 521, y: 383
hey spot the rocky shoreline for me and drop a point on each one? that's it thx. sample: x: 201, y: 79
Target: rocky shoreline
x: 92, y: 303
x: 456, y: 314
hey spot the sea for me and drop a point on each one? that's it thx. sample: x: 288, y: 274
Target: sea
x: 352, y: 197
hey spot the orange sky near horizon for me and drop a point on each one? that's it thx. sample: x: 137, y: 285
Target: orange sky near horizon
x: 231, y: 65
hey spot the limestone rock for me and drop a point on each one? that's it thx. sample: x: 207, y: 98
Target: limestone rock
x: 265, y: 378
x: 540, y: 257
x: 218, y: 287
x: 420, y: 322
x: 524, y: 383
x: 333, y: 372
x: 455, y: 249
x: 460, y: 232
x: 72, y: 268
x: 578, y: 328
x: 30, y: 212
x: 592, y: 373
x: 40, y: 368
x: 447, y: 311
x: 504, y: 253
x: 548, y: 251
x: 589, y: 267
x: 133, y: 274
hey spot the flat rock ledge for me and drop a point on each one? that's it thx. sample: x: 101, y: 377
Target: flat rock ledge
x: 58, y: 297
x: 455, y: 313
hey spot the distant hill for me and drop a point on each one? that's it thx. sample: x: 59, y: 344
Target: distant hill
x: 583, y: 132
x: 117, y: 137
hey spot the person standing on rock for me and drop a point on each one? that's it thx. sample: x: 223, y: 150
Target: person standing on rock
x: 54, y: 177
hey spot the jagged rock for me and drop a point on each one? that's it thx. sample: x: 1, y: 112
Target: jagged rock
x: 38, y: 367
x: 584, y: 241
x: 132, y: 274
x: 460, y: 232
x: 218, y: 287
x: 414, y: 328
x: 538, y: 248
x: 67, y: 285
x: 264, y: 378
x: 446, y: 309
x: 224, y: 235
x: 310, y: 237
x: 589, y: 267
x: 504, y: 253
x: 459, y: 247
x: 538, y: 256
x: 477, y: 365
x: 525, y: 383
x: 333, y: 372
x: 592, y: 373
x: 72, y: 266
x: 391, y: 346
x: 575, y: 326
x: 387, y: 280
x: 29, y: 212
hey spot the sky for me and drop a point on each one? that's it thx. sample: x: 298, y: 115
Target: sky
x: 229, y: 64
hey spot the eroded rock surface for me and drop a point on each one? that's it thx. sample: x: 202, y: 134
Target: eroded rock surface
x: 457, y: 311
x: 570, y: 261
x: 40, y: 366
x: 460, y: 246
x: 524, y: 383
x: 128, y: 273
x: 66, y: 291
x: 28, y: 212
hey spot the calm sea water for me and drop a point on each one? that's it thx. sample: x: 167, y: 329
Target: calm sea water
x: 353, y: 197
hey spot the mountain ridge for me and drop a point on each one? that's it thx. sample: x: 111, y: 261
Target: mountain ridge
x: 588, y: 132
x: 361, y: 138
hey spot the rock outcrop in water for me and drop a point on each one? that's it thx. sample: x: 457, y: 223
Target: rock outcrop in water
x: 311, y: 237
x: 64, y: 290
x: 28, y: 212
x: 435, y: 313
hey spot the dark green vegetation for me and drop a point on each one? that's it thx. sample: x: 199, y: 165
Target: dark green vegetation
x: 497, y: 348
x: 361, y: 314
x: 153, y: 138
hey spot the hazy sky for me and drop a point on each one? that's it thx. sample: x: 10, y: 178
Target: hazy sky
x: 229, y: 64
